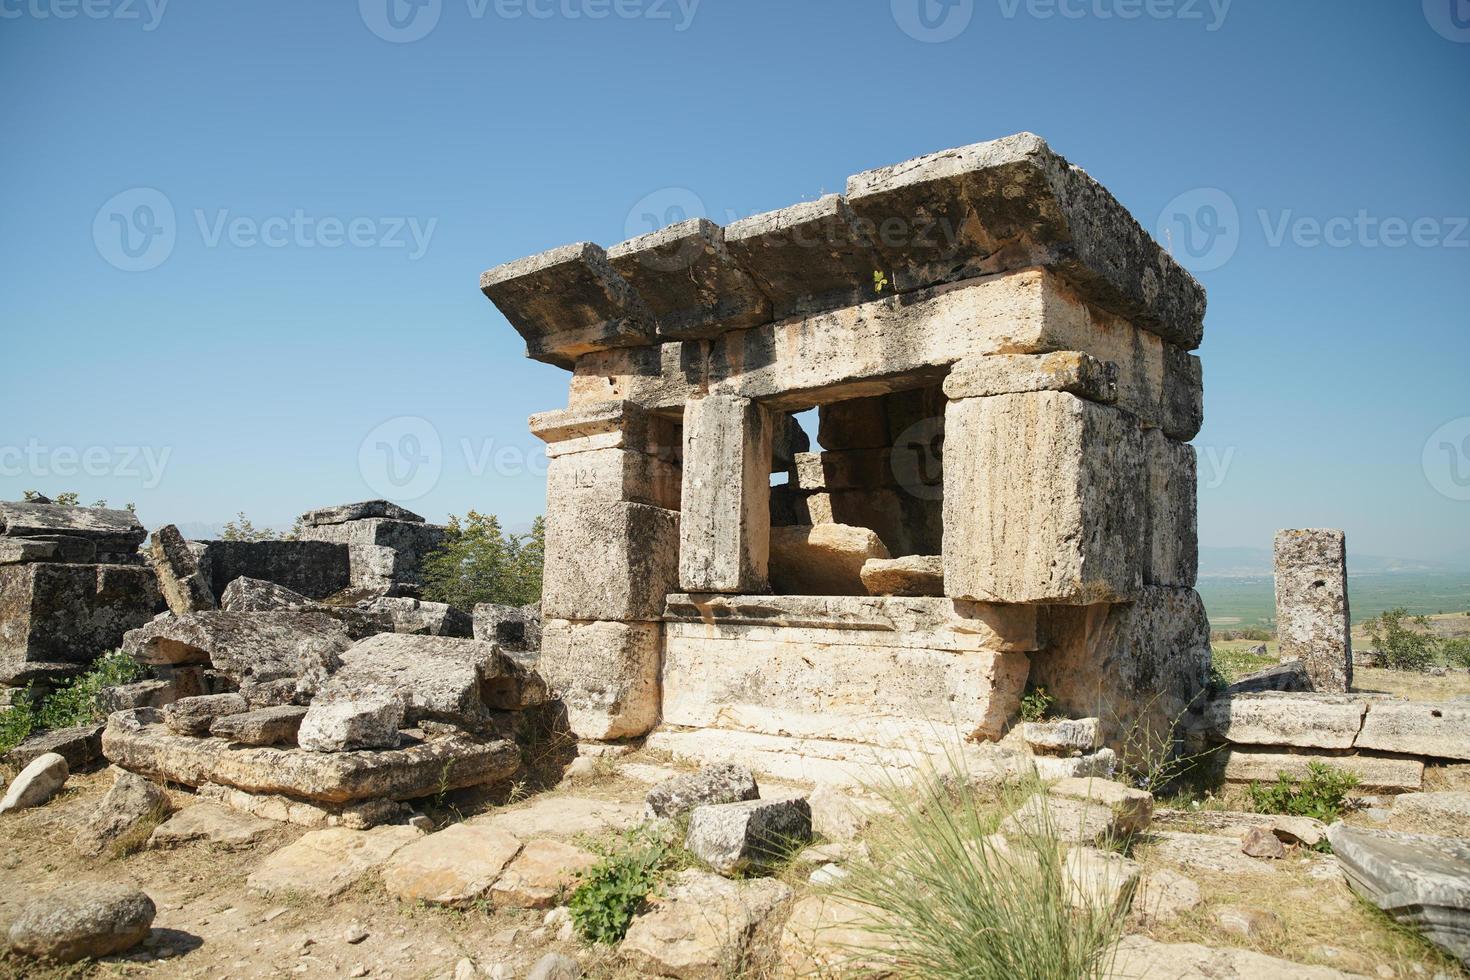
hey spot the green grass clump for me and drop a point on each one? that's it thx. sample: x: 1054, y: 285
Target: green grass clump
x: 1322, y: 795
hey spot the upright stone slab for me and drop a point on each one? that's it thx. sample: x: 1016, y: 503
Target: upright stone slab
x: 184, y: 586
x: 606, y: 675
x: 1312, y: 619
x: 725, y: 525
x: 1044, y: 500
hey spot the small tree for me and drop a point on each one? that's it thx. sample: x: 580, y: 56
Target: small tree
x: 479, y: 562
x: 241, y: 529
x: 1398, y: 646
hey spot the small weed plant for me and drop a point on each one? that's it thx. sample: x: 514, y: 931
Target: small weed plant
x: 1036, y: 705
x: 610, y: 893
x: 1323, y: 794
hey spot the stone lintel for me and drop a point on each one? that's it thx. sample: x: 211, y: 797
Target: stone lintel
x: 602, y: 425
x: 1005, y: 374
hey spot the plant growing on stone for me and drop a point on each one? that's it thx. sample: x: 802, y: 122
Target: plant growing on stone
x: 76, y: 703
x: 1398, y: 646
x: 1036, y: 705
x: 480, y: 562
x: 1323, y: 795
x: 610, y: 893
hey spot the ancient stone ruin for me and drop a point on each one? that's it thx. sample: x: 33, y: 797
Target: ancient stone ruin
x: 1004, y: 492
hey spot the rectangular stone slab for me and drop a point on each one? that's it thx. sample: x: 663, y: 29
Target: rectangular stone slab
x: 138, y: 741
x: 1373, y: 772
x: 65, y: 614
x: 1313, y: 620
x: 28, y: 520
x: 612, y: 561
x: 1304, y: 721
x: 1172, y: 470
x: 725, y: 517
x: 1429, y: 729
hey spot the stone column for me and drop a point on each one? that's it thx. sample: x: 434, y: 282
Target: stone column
x: 1312, y: 618
x: 612, y: 539
x: 725, y: 527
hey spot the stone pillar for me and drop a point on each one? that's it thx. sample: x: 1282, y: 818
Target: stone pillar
x: 1312, y: 618
x: 612, y: 540
x: 725, y: 526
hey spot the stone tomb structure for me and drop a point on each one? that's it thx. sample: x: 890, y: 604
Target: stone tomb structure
x: 999, y: 356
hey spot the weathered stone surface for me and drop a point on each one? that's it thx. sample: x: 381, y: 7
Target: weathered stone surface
x: 129, y: 808
x: 1100, y: 880
x: 1260, y: 842
x: 1288, y: 829
x: 1082, y: 811
x: 826, y: 559
x: 314, y: 568
x: 515, y: 629
x: 1373, y: 772
x: 115, y: 533
x: 1182, y: 414
x: 713, y: 784
x: 1434, y: 730
x: 365, y: 720
x: 606, y: 424
x: 563, y: 817
x: 1044, y: 500
x: 1013, y: 202
x: 82, y: 921
x: 1064, y: 737
x: 1008, y: 374
x: 873, y: 687
x: 184, y: 586
x: 1206, y: 852
x: 913, y: 575
x: 325, y: 863
x: 1282, y: 677
x: 555, y: 966
x: 20, y: 551
x: 1448, y: 811
x: 1422, y: 881
x: 1137, y: 667
x: 1163, y: 894
x: 80, y: 746
x: 410, y: 540
x: 55, y: 619
x: 1139, y: 956
x: 418, y: 618
x: 263, y: 726
x: 353, y: 815
x: 1298, y: 720
x: 690, y: 280
x: 184, y: 682
x: 249, y: 595
x: 218, y: 826
x: 605, y: 673
x: 1172, y: 523
x: 725, y: 520
x: 732, y: 837
x: 342, y: 513
x: 1313, y: 622
x: 829, y: 936
x: 838, y: 815
x: 609, y: 561
x: 36, y: 783
x: 567, y: 302
x: 138, y: 741
x: 194, y: 716
x: 1102, y: 763
x: 542, y: 874
x: 452, y: 867
x: 699, y: 924
x: 252, y: 648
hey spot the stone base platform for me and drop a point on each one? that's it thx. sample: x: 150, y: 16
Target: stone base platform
x: 137, y: 740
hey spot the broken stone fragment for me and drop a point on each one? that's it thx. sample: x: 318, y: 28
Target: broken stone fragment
x: 262, y: 726
x: 325, y: 863
x: 368, y: 721
x: 455, y: 866
x: 315, y: 568
x: 252, y: 648
x: 515, y: 629
x: 1064, y: 737
x: 83, y: 921
x: 1308, y: 721
x: 194, y: 716
x: 543, y: 873
x: 184, y: 586
x: 913, y: 575
x: 733, y: 837
x: 699, y: 923
x: 129, y: 809
x: 248, y: 595
x: 36, y: 783
x: 218, y: 826
x: 1083, y: 811
x: 416, y: 617
x: 79, y: 745
x: 1313, y: 620
x: 724, y: 783
x: 115, y: 533
x: 826, y: 559
x: 1099, y: 880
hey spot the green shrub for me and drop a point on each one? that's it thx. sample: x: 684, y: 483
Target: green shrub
x: 1036, y: 705
x: 479, y: 562
x: 610, y: 892
x: 1398, y: 646
x: 1456, y: 651
x: 17, y: 721
x: 1322, y: 795
x: 74, y: 703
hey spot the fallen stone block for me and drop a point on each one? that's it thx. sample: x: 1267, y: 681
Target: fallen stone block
x: 354, y: 815
x: 56, y: 619
x: 343, y: 513
x: 710, y: 785
x: 1064, y: 737
x: 564, y: 817
x: 913, y: 575
x: 541, y: 875
x: 36, y: 783
x: 830, y: 936
x: 1082, y: 811
x: 1308, y: 721
x: 418, y: 618
x: 1313, y: 623
x: 1375, y: 773
x: 1290, y: 677
x: 367, y: 721
x: 1288, y: 829
x: 116, y: 534
x: 21, y: 551
x: 605, y: 673
x: 1099, y: 880
x: 1163, y: 895
x: 217, y: 826
x: 1103, y: 763
x: 127, y: 811
x: 325, y: 863
x: 248, y: 595
x: 826, y: 559
x: 194, y: 716
x: 455, y: 866
x: 733, y: 837
x: 80, y: 746
x: 1139, y: 956
x: 184, y: 586
x: 1421, y: 881
x: 1206, y: 852
x: 1447, y: 811
x: 1433, y: 730
x: 184, y: 682
x: 262, y: 726
x: 515, y: 629
x: 700, y: 923
x: 82, y: 921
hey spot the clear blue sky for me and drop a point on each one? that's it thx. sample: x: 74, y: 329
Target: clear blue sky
x: 259, y: 359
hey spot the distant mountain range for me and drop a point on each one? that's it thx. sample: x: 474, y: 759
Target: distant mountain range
x: 1256, y: 562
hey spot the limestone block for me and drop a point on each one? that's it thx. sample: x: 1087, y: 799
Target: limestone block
x: 194, y: 716
x: 22, y: 550
x: 1099, y: 880
x: 613, y: 475
x: 1139, y: 956
x: 567, y: 302
x: 179, y: 578
x: 343, y: 513
x: 606, y: 425
x: 1006, y: 374
x: 690, y: 280
x: 263, y: 726
x: 613, y: 561
x: 788, y: 439
x: 541, y: 875
x: 1013, y: 202
x: 736, y: 837
x: 915, y: 575
x: 1304, y: 721
x: 219, y: 826
x: 368, y: 721
x: 1183, y: 410
x: 1044, y: 500
x: 1067, y: 736
x: 727, y: 783
x: 55, y: 619
x: 1243, y: 765
x: 116, y: 533
x: 699, y: 923
x: 855, y: 423
x: 1433, y: 730
x: 606, y: 674
x: 79, y: 745
x: 1172, y: 526
x: 807, y: 257
x: 314, y: 568
x: 453, y: 867
x: 1138, y: 667
x: 847, y: 469
x: 826, y: 559
x: 827, y: 936
x: 132, y: 804
x: 725, y: 521
x: 82, y: 920
x: 869, y: 687
x: 1313, y: 622
x: 325, y: 863
x: 411, y: 540
x: 35, y: 784
x: 663, y: 376
x: 515, y: 629
x: 1072, y: 821
x: 251, y: 648
x: 415, y: 617
x: 1448, y: 810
